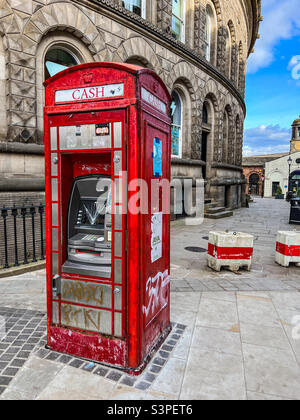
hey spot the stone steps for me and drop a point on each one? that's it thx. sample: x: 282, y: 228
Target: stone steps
x: 214, y: 210
x: 220, y: 215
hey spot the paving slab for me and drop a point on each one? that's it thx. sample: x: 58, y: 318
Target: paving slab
x: 240, y: 337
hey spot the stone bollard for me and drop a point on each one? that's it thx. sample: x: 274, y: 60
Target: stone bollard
x: 230, y: 249
x: 288, y: 248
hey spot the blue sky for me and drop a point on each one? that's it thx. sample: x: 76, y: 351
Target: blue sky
x: 273, y: 80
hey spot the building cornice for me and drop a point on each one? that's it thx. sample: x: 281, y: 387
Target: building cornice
x: 151, y: 31
x: 257, y: 18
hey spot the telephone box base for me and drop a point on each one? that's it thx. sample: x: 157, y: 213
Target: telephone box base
x: 102, y: 350
x: 91, y: 347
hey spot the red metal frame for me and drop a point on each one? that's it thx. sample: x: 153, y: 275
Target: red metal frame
x: 142, y: 119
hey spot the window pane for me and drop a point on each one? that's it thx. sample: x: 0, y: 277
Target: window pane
x: 207, y: 36
x: 176, y: 27
x: 58, y: 59
x: 134, y: 6
x: 177, y: 8
x: 176, y: 109
x: 175, y: 141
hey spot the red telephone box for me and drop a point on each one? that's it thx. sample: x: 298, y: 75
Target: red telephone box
x: 107, y: 149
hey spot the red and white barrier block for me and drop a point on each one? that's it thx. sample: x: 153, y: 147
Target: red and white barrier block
x: 288, y: 248
x: 230, y: 249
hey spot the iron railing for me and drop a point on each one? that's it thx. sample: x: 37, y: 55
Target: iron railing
x: 22, y: 235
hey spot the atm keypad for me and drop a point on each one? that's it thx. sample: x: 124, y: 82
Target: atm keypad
x: 93, y: 238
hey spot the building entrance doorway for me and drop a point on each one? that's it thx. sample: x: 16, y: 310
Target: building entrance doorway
x: 275, y: 185
x: 254, y: 184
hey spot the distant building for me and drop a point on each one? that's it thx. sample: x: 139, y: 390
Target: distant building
x: 254, y: 171
x: 265, y: 173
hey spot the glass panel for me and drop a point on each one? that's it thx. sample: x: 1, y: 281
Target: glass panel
x: 117, y: 163
x: 54, y: 183
x: 207, y: 36
x: 118, y: 271
x: 176, y: 109
x: 55, y: 269
x: 88, y: 319
x: 58, y: 59
x: 75, y: 137
x: 54, y: 239
x: 54, y: 214
x: 54, y: 164
x: 175, y: 141
x: 134, y: 6
x: 92, y: 136
x: 117, y: 135
x: 176, y: 27
x: 118, y: 298
x: 118, y: 325
x: 55, y: 313
x: 118, y: 190
x: 177, y: 8
x: 53, y: 138
x: 118, y: 244
x: 81, y: 292
x: 118, y: 221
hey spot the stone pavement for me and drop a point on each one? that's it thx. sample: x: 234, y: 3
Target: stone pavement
x: 234, y: 336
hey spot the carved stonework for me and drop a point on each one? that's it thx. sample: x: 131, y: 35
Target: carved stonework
x: 164, y: 15
x: 199, y: 27
x: 221, y: 49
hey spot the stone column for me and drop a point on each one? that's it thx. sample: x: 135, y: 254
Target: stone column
x: 199, y: 28
x: 234, y: 64
x: 221, y: 49
x: 164, y: 15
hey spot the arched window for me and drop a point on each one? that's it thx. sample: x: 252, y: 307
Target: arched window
x: 136, y: 6
x: 228, y: 53
x: 176, y: 115
x: 178, y: 20
x: 225, y: 136
x: 56, y: 51
x: 205, y: 114
x: 59, y: 58
x: 208, y: 34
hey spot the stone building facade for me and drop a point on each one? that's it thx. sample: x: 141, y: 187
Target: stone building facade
x: 265, y: 173
x: 198, y: 47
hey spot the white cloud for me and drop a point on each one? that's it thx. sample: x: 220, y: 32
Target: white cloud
x: 281, y: 21
x: 266, y: 140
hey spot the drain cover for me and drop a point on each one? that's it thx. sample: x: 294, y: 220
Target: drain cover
x: 195, y: 249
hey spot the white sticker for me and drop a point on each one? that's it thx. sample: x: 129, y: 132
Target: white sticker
x: 156, y: 237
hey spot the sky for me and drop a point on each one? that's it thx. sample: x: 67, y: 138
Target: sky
x: 273, y: 80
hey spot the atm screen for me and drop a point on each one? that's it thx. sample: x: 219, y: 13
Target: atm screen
x: 89, y: 227
x: 91, y: 213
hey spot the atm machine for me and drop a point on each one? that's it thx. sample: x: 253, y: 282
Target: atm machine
x: 107, y: 159
x: 89, y: 227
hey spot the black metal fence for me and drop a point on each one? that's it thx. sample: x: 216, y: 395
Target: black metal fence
x: 22, y: 235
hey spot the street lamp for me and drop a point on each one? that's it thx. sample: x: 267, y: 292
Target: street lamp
x: 290, y: 161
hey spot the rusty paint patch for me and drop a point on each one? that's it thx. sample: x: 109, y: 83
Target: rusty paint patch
x: 235, y: 328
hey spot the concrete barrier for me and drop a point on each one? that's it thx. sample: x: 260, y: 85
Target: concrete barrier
x: 230, y: 249
x: 288, y: 248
